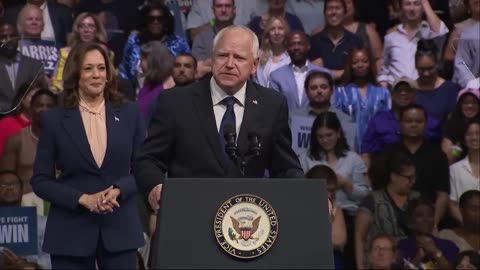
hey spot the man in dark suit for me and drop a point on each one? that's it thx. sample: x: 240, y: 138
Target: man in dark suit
x: 15, y: 69
x: 57, y: 18
x: 186, y: 132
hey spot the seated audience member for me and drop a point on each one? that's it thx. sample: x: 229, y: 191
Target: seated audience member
x: 329, y: 147
x: 465, y: 174
x: 57, y: 19
x: 383, y: 252
x: 19, y: 118
x: 290, y: 79
x: 157, y: 25
x: 19, y: 69
x: 385, y: 210
x: 184, y: 69
x: 466, y: 110
x: 86, y: 28
x: 333, y: 44
x: 400, y: 44
x: 467, y: 260
x: 11, y: 196
x: 201, y: 14
x: 467, y: 58
x: 434, y: 93
x: 473, y: 8
x: 20, y: 149
x: 276, y: 8
x: 467, y: 235
x: 319, y: 89
x: 431, y: 164
x: 156, y: 63
x: 384, y: 127
x: 359, y: 95
x: 309, y: 12
x: 273, y: 49
x: 422, y: 249
x: 337, y: 220
x: 223, y: 16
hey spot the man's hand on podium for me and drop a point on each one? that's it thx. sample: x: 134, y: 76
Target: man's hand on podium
x: 154, y: 198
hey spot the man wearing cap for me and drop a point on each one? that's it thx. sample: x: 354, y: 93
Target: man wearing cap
x: 384, y: 128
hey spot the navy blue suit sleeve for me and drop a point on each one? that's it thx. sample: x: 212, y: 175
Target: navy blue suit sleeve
x: 44, y: 182
x: 127, y: 184
x: 155, y: 154
x: 284, y: 161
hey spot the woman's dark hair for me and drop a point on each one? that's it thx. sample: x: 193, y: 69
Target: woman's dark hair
x: 71, y: 76
x: 349, y: 76
x: 467, y: 196
x: 160, y: 62
x: 168, y: 21
x: 318, y: 74
x: 426, y: 47
x: 22, y: 93
x: 473, y: 257
x: 42, y: 92
x: 323, y: 172
x: 416, y: 203
x: 412, y: 107
x: 467, y: 126
x: 456, y: 125
x: 328, y: 120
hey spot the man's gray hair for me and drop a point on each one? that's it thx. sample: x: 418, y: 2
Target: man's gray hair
x: 255, y: 43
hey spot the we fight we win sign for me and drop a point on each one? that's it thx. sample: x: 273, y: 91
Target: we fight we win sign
x: 18, y: 230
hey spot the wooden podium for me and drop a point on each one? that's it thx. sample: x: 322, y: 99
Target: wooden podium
x: 212, y: 224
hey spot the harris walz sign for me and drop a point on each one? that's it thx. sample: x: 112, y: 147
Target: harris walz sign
x: 42, y: 50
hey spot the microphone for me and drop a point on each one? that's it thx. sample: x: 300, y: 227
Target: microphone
x: 230, y: 136
x: 40, y: 71
x: 254, y: 145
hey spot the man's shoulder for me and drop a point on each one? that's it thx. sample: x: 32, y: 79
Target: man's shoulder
x: 279, y: 72
x: 265, y: 93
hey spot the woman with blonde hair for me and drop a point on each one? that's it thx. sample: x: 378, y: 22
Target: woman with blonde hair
x: 86, y: 28
x: 273, y: 52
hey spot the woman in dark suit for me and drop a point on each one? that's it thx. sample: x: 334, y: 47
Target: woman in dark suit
x: 91, y: 140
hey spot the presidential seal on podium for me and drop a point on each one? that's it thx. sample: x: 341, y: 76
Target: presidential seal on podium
x: 246, y: 226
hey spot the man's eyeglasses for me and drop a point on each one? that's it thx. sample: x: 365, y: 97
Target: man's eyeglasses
x: 9, y: 185
x: 152, y: 19
x: 410, y: 178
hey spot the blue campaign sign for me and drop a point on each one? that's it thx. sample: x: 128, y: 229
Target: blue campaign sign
x: 18, y: 230
x: 301, y: 127
x: 42, y: 50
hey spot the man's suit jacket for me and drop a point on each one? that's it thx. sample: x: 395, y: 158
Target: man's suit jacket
x: 72, y: 230
x: 183, y: 139
x: 283, y: 80
x: 60, y: 15
x: 28, y: 68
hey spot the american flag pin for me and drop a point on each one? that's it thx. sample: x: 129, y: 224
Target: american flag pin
x: 116, y: 119
x: 255, y: 102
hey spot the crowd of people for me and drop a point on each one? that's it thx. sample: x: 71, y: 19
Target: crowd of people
x: 104, y: 90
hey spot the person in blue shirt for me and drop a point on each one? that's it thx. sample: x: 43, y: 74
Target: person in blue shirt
x: 158, y: 25
x: 359, y: 95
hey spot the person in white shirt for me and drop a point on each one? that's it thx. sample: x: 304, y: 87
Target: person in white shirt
x: 465, y: 174
x: 401, y: 44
